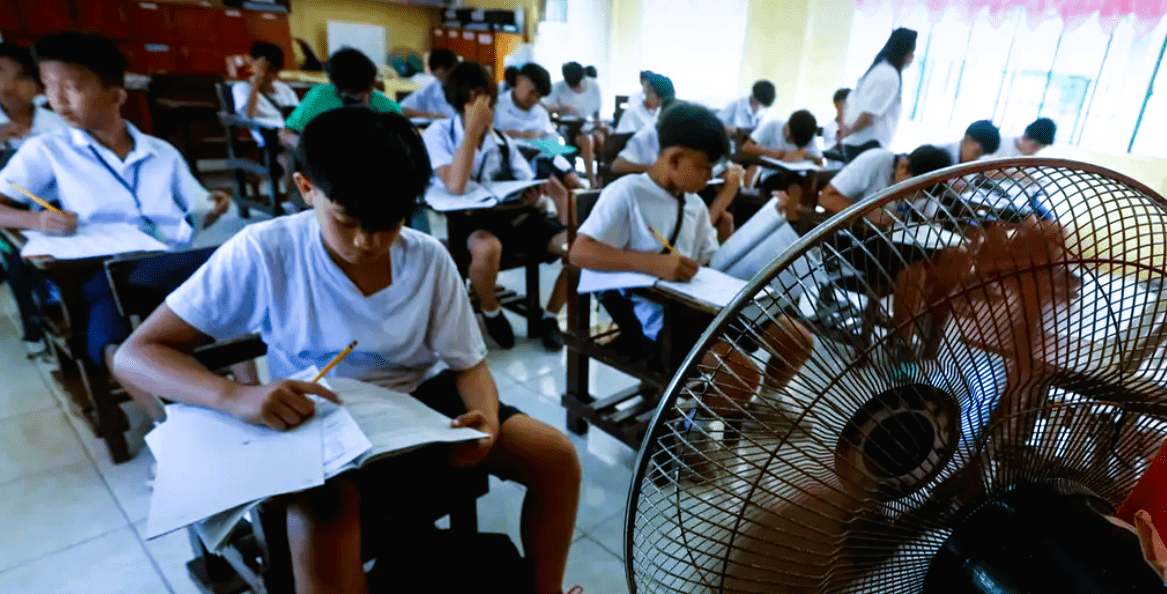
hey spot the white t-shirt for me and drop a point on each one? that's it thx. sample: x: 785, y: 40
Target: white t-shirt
x: 443, y: 137
x: 643, y: 148
x: 43, y: 121
x: 740, y: 114
x: 431, y: 99
x: 869, y: 173
x: 636, y: 116
x: 508, y: 117
x: 1007, y: 150
x: 276, y: 278
x: 878, y: 93
x: 772, y: 135
x: 622, y: 215
x: 585, y: 103
x: 266, y: 112
x: 153, y: 181
x: 830, y: 134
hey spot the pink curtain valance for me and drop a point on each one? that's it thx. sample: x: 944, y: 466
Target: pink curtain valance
x: 1146, y: 13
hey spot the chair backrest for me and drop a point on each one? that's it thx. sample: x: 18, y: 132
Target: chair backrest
x: 140, y: 281
x: 621, y: 105
x: 613, y: 144
x: 226, y: 97
x: 580, y: 205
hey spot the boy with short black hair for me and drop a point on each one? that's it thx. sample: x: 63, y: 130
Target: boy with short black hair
x: 430, y: 101
x: 264, y: 98
x: 980, y: 138
x: 465, y: 149
x: 20, y: 117
x: 875, y: 170
x: 831, y: 128
x: 312, y: 282
x: 519, y: 113
x: 351, y: 75
x: 748, y: 113
x: 789, y: 141
x: 1037, y: 136
x: 579, y: 95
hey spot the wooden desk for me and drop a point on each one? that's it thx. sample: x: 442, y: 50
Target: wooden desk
x: 89, y: 387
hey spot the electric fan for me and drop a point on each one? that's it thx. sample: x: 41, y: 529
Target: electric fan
x: 921, y: 395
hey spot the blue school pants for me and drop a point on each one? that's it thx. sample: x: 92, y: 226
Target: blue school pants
x: 103, y: 324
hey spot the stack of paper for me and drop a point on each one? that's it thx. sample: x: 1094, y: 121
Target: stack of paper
x: 90, y: 241
x: 486, y: 195
x: 213, y: 468
x: 707, y: 286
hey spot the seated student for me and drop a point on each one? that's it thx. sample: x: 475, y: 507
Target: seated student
x: 264, y: 97
x: 980, y: 138
x: 748, y: 113
x: 510, y: 75
x: 430, y: 100
x: 1037, y: 136
x: 466, y: 148
x: 20, y: 117
x: 348, y: 269
x: 591, y: 72
x: 643, y: 112
x: 790, y: 141
x: 875, y: 170
x: 101, y: 169
x: 351, y: 75
x: 519, y: 113
x: 831, y: 141
x: 618, y: 236
x: 579, y: 95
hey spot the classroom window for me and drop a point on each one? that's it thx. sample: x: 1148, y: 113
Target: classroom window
x: 1012, y: 68
x: 555, y: 11
x: 696, y: 43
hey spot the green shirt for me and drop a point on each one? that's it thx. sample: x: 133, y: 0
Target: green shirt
x: 322, y: 98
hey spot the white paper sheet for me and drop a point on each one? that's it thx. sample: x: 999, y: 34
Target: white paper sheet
x: 90, y: 241
x: 795, y: 166
x: 591, y: 281
x: 476, y: 195
x: 925, y: 236
x: 743, y: 241
x: 708, y: 286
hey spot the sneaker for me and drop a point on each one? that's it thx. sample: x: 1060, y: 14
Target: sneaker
x: 550, y: 334
x: 500, y: 330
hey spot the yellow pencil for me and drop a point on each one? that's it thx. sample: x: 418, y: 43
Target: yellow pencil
x: 37, y: 199
x: 339, y: 357
x: 661, y: 239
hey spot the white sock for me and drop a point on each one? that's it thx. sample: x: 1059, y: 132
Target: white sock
x: 492, y: 314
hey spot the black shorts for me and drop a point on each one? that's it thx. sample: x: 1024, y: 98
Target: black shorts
x: 440, y: 393
x: 519, y: 231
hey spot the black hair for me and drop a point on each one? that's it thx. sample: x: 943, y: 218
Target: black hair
x: 270, y: 52
x: 442, y: 59
x: 899, y: 44
x: 92, y: 52
x: 23, y: 56
x: 466, y: 79
x: 665, y: 104
x: 591, y: 72
x: 927, y: 158
x: 692, y: 126
x: 538, y: 76
x: 349, y: 152
x: 1034, y: 539
x: 764, y: 92
x: 351, y: 71
x: 511, y: 76
x: 644, y: 75
x: 840, y: 95
x: 573, y: 72
x: 661, y: 85
x: 803, y: 127
x: 1042, y: 130
x: 984, y: 133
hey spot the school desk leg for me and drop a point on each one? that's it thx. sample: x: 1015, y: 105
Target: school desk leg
x: 111, y: 421
x: 578, y: 390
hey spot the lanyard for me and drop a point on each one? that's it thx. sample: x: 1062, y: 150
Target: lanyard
x: 148, y: 225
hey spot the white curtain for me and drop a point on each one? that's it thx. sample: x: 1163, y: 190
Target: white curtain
x: 696, y: 43
x: 584, y: 38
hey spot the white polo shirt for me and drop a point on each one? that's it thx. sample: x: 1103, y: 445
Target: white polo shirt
x: 880, y: 94
x: 585, y: 103
x: 43, y: 121
x: 153, y: 182
x: 869, y: 173
x: 508, y: 117
x: 621, y: 219
x: 431, y: 99
x: 636, y: 116
x: 276, y: 278
x: 443, y: 137
x: 643, y: 148
x: 740, y: 114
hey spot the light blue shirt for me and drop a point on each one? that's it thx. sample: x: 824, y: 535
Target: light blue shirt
x: 91, y: 181
x: 431, y: 99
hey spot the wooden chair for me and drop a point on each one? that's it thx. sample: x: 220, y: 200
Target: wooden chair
x: 621, y: 105
x: 182, y: 109
x: 613, y: 144
x: 249, y: 162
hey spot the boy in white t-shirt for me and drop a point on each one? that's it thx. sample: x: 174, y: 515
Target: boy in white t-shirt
x: 349, y: 270
x: 578, y: 95
x: 876, y: 170
x: 1037, y: 136
x: 263, y: 97
x: 980, y: 138
x: 430, y: 101
x: 748, y: 113
x: 789, y: 141
x: 20, y: 116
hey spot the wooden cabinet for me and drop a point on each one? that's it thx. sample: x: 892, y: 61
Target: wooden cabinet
x: 150, y: 22
x: 101, y: 16
x: 489, y: 48
x: 270, y: 26
x: 45, y: 16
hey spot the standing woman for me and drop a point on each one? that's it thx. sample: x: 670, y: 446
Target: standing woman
x: 873, y: 109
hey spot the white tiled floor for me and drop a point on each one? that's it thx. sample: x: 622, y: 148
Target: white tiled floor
x: 73, y: 521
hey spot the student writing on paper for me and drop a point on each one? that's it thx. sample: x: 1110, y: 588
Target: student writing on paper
x: 749, y: 112
x: 351, y: 75
x: 430, y: 100
x: 980, y: 138
x: 579, y: 96
x: 1037, y: 136
x: 347, y: 270
x: 466, y: 148
x: 876, y: 170
x: 101, y: 169
x: 621, y: 234
x: 790, y: 141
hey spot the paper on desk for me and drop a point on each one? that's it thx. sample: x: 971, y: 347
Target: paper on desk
x: 476, y: 195
x: 90, y: 241
x: 926, y: 236
x: 591, y: 281
x: 209, y: 462
x: 708, y: 285
x: 791, y: 165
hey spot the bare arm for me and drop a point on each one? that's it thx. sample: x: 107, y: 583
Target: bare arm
x: 733, y: 182
x: 753, y: 149
x: 478, y: 117
x: 44, y: 221
x: 589, y: 253
x: 528, y: 135
x: 833, y: 202
x: 863, y: 122
x: 623, y: 166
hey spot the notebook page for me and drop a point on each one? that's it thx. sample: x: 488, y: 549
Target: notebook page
x: 708, y: 286
x: 591, y: 281
x: 91, y: 241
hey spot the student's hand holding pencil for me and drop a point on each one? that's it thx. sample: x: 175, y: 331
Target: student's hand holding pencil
x: 282, y: 405
x: 56, y: 223
x: 676, y: 267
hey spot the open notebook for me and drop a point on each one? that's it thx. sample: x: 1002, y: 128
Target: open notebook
x: 90, y: 241
x: 485, y: 195
x: 707, y: 286
x: 213, y: 468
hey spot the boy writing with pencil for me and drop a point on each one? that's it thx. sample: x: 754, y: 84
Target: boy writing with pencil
x: 346, y: 270
x: 101, y: 169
